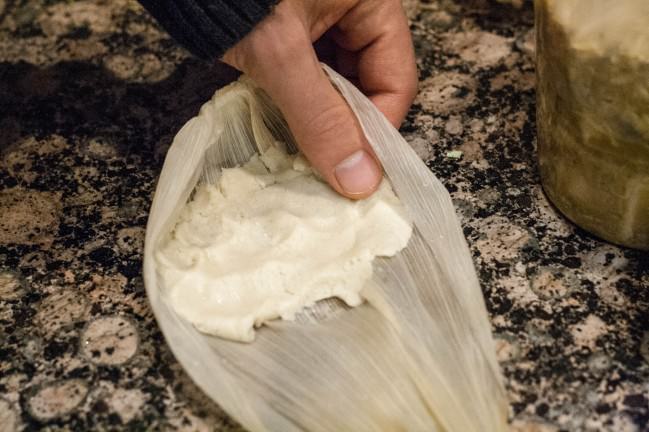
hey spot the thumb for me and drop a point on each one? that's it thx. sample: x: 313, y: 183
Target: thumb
x: 324, y: 126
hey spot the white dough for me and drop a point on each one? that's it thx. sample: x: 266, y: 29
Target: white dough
x: 271, y: 238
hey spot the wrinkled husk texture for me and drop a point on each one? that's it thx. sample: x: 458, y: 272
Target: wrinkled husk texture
x: 417, y: 356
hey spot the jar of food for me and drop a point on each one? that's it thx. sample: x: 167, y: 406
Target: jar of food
x: 593, y: 114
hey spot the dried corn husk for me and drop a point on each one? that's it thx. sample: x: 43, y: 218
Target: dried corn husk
x: 418, y: 356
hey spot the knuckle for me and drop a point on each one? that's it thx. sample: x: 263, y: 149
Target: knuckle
x: 330, y: 123
x: 412, y: 87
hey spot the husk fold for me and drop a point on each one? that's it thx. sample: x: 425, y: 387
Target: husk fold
x: 418, y: 356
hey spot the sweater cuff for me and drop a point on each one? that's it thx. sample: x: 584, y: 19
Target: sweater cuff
x: 208, y: 28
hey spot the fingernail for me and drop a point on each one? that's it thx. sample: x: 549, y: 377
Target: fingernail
x: 358, y: 174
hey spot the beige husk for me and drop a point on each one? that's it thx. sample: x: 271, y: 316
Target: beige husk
x: 418, y: 356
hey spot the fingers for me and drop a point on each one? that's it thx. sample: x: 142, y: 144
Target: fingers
x: 324, y: 126
x: 384, y: 56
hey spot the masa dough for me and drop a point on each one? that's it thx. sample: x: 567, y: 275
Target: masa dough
x: 271, y: 238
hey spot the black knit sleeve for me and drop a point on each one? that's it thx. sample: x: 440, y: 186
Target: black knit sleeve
x: 207, y: 28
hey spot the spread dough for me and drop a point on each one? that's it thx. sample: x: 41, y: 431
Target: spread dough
x: 271, y: 238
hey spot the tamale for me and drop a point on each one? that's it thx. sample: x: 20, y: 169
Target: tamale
x: 417, y: 356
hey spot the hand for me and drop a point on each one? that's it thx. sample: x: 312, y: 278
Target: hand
x: 368, y: 41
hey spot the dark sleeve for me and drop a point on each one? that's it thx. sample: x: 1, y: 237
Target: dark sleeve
x: 207, y: 28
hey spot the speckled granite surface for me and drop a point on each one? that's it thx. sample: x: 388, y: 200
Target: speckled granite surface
x: 91, y: 94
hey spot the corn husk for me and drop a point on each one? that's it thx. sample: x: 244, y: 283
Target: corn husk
x: 417, y: 356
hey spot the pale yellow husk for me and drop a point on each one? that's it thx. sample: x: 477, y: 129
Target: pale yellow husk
x: 418, y: 356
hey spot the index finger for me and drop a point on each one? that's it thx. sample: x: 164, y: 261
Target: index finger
x: 386, y: 66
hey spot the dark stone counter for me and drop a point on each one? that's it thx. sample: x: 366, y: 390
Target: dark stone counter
x: 91, y: 95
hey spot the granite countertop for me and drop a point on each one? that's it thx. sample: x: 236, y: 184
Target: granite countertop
x: 91, y: 94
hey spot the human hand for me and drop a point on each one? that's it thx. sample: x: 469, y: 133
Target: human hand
x: 368, y: 42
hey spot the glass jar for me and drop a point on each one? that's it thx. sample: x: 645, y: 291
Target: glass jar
x: 593, y: 114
